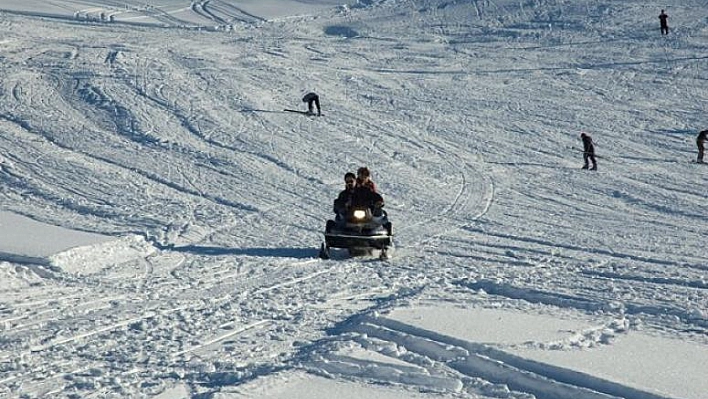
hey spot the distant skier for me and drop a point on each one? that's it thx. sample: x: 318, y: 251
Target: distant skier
x: 312, y: 99
x: 700, y: 142
x: 588, y: 151
x: 664, y: 20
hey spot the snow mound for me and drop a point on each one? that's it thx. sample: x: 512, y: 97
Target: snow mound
x: 92, y: 259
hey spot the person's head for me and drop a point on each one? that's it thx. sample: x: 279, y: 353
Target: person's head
x: 583, y: 135
x: 350, y: 180
x: 363, y: 173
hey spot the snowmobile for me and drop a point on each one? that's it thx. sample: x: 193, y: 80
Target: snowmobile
x: 360, y: 231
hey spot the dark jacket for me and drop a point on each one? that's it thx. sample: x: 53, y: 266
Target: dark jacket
x: 364, y: 197
x: 343, y: 201
x: 588, y: 147
x: 310, y: 97
x: 702, y: 137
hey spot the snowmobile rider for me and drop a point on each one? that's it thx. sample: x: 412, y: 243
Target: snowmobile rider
x: 344, y: 200
x: 362, y: 196
x: 588, y: 151
x: 310, y: 99
x: 700, y: 142
x: 364, y: 179
x: 355, y: 195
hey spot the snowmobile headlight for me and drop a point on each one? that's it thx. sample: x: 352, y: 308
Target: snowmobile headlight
x: 359, y: 214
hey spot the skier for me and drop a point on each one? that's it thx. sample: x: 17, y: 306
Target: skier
x: 663, y: 19
x: 700, y: 140
x: 363, y: 178
x: 310, y: 99
x: 588, y: 151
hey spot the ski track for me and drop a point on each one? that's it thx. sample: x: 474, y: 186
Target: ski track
x: 73, y: 339
x: 465, y: 360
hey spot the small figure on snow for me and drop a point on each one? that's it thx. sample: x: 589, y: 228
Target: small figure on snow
x: 312, y: 99
x: 363, y: 178
x: 700, y: 142
x: 588, y: 151
x: 663, y: 19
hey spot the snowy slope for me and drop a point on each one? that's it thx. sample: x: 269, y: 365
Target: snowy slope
x: 516, y: 274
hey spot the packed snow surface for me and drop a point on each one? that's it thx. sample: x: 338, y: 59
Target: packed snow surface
x: 160, y: 213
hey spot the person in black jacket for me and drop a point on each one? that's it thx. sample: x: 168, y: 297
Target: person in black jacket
x: 354, y: 196
x: 663, y: 20
x: 588, y: 151
x: 310, y: 99
x: 365, y: 198
x: 344, y: 199
x: 700, y: 142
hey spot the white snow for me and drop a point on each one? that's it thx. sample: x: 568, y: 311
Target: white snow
x: 23, y: 236
x: 160, y: 214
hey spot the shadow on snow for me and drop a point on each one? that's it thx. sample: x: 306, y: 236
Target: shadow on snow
x: 300, y: 253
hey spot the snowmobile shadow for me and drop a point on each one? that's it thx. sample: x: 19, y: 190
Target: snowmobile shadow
x: 299, y: 253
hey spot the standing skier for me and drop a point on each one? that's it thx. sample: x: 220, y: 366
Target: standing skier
x: 588, y: 151
x: 700, y: 142
x: 663, y: 20
x: 310, y: 99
